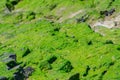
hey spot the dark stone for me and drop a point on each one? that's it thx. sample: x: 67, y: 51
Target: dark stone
x: 75, y: 77
x: 104, y: 13
x: 111, y: 11
x: 28, y: 71
x: 19, y: 74
x: 27, y: 51
x: 107, y: 13
x: 3, y: 78
x: 11, y: 64
x: 23, y: 74
x: 66, y: 67
x: 12, y: 56
x: 52, y: 59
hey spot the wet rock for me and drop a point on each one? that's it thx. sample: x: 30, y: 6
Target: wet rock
x: 107, y: 12
x: 3, y: 78
x: 111, y: 11
x: 23, y: 73
x: 66, y: 66
x: 10, y: 64
x: 104, y: 13
x: 45, y: 65
x: 28, y: 71
x: 26, y: 52
x: 75, y: 77
x: 12, y: 56
x: 19, y: 74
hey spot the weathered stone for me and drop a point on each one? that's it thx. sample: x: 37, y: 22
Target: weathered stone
x: 19, y: 74
x: 11, y: 64
x: 107, y: 12
x: 12, y: 56
x: 28, y: 71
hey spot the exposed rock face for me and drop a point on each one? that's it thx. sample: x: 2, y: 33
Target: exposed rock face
x: 108, y: 22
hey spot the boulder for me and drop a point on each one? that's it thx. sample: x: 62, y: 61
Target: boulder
x: 12, y: 56
x: 10, y: 64
x: 18, y: 75
x: 28, y: 71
